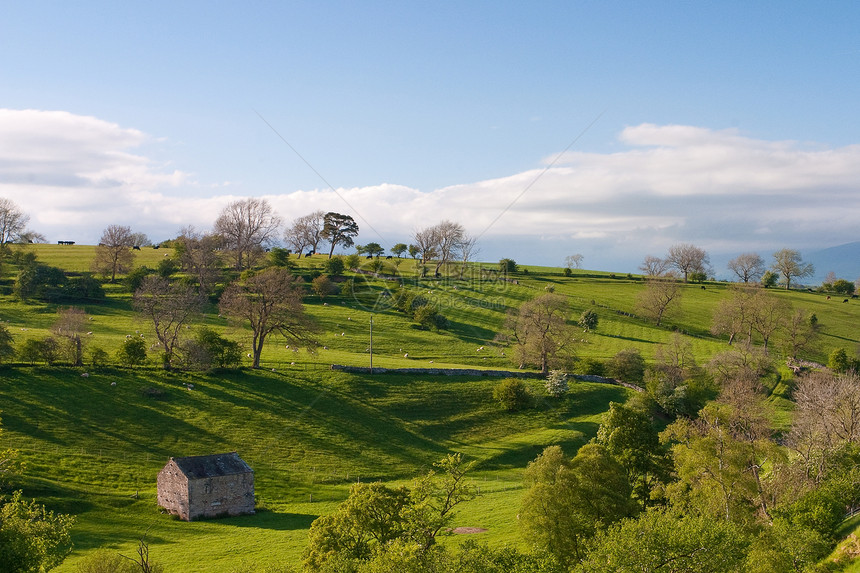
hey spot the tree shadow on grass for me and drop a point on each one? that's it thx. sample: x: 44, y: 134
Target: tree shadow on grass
x: 272, y: 520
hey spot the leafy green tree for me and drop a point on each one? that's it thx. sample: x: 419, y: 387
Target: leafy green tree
x: 769, y: 279
x: 838, y: 361
x: 169, y: 307
x: 220, y: 352
x: 568, y: 501
x: 334, y: 266
x: 629, y: 436
x: 512, y: 394
x: 786, y: 546
x: 508, y: 266
x: 842, y: 286
x: 338, y: 230
x: 7, y: 346
x: 628, y: 366
x: 279, y: 257
x: 135, y: 277
x: 32, y: 539
x: 661, y: 541
x: 414, y: 251
x: 98, y: 356
x: 322, y: 286
x: 588, y: 320
x: 132, y: 352
x: 373, y: 249
x: 40, y: 281
x: 352, y: 261
x: 398, y: 249
x: 30, y: 351
x: 435, y: 495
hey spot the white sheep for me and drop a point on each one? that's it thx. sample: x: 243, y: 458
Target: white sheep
x: 406, y: 355
x: 113, y: 383
x: 85, y: 375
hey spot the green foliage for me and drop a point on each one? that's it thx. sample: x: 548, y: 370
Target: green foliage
x: 279, y: 257
x: 211, y: 350
x: 769, y: 279
x: 588, y: 320
x: 629, y: 436
x: 627, y: 365
x: 398, y: 249
x: 352, y: 261
x: 98, y: 356
x: 786, y: 546
x: 41, y: 282
x: 568, y: 501
x: 842, y: 286
x: 135, y: 277
x: 838, y: 361
x: 374, y: 515
x: 132, y: 352
x: 508, y: 266
x: 104, y: 561
x: 556, y: 383
x: 698, y: 277
x: 334, y: 266
x: 591, y: 367
x: 32, y: 539
x: 7, y: 347
x: 567, y: 272
x: 512, y: 394
x: 322, y: 286
x: 661, y: 541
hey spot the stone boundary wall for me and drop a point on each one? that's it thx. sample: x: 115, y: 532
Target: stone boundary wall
x: 474, y: 372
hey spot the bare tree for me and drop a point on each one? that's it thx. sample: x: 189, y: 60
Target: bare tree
x: 802, y: 332
x: 733, y: 315
x: 688, y: 259
x: 198, y: 256
x: 659, y: 299
x: 749, y: 267
x: 826, y: 416
x: 114, y: 252
x: 770, y: 314
x: 71, y: 326
x: 789, y: 264
x: 339, y: 230
x: 169, y: 307
x: 541, y: 334
x: 468, y: 251
x: 270, y: 301
x: 140, y: 240
x: 247, y: 226
x: 654, y: 266
x: 425, y: 243
x: 305, y: 232
x: 13, y: 222
x: 572, y: 261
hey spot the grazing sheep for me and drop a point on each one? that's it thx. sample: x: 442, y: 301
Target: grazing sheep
x: 85, y: 375
x: 249, y: 355
x: 406, y: 355
x: 325, y: 347
x: 343, y: 334
x: 113, y: 383
x: 90, y: 333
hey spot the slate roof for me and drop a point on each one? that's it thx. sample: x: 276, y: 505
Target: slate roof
x: 216, y: 465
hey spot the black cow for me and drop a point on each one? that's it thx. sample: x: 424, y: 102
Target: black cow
x: 136, y: 248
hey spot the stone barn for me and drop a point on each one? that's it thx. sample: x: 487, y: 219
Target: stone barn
x: 206, y: 486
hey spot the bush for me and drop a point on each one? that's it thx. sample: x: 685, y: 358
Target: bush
x: 7, y: 349
x: 322, y: 286
x: 132, y: 352
x: 352, y: 261
x: 591, y: 367
x: 556, y: 384
x: 425, y: 315
x: 279, y: 257
x: 85, y: 287
x: 843, y: 287
x: 838, y: 361
x: 223, y: 352
x: 334, y: 266
x: 98, y: 356
x: 567, y: 272
x: 135, y: 277
x: 769, y: 279
x: 512, y: 394
x: 628, y: 366
x: 507, y: 266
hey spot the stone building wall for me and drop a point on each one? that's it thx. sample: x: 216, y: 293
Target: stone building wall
x: 173, y: 490
x: 221, y: 495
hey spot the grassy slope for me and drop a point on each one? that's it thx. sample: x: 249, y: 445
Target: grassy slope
x: 309, y: 431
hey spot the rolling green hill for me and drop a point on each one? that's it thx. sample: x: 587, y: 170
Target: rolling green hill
x: 93, y: 449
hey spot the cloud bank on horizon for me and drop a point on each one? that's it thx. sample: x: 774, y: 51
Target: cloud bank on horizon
x: 719, y: 189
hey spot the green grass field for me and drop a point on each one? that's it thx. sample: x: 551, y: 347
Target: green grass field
x: 93, y: 449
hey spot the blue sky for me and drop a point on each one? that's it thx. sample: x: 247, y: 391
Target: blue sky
x: 730, y: 125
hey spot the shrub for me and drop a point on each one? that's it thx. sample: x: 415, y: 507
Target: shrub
x: 30, y: 351
x: 556, y: 383
x: 352, y: 261
x: 769, y: 279
x: 322, y: 286
x: 507, y: 266
x: 279, y: 257
x: 334, y: 266
x: 425, y: 315
x: 222, y: 352
x: 512, y: 394
x: 838, y: 361
x: 567, y: 272
x: 591, y: 367
x: 84, y: 287
x: 843, y: 287
x: 135, y: 277
x: 627, y: 365
x: 98, y: 356
x: 132, y: 352
x: 7, y: 349
x: 698, y: 277
x: 166, y: 268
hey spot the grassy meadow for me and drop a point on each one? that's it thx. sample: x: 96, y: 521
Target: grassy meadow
x: 93, y: 449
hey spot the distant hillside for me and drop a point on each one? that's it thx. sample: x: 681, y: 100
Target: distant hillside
x: 843, y: 260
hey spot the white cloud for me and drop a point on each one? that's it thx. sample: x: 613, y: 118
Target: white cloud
x: 717, y: 188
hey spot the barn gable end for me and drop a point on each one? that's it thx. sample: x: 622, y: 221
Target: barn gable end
x: 206, y: 486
